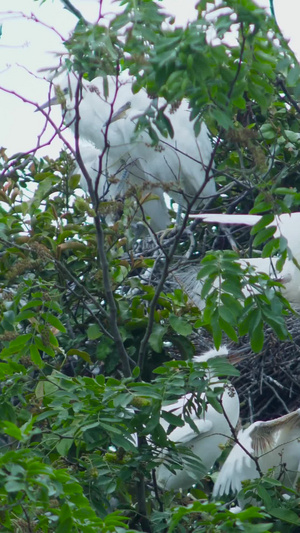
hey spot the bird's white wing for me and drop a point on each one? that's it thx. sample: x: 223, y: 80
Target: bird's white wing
x: 276, y: 444
x: 237, y: 467
x: 273, y: 442
x: 286, y: 225
x: 267, y: 435
x: 220, y: 218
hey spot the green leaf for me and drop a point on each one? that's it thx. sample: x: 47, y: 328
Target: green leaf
x: 8, y: 320
x: 63, y: 446
x: 269, y: 248
x: 156, y: 337
x: 293, y: 76
x: 11, y: 429
x: 222, y: 118
x: 239, y: 102
x: 216, y: 330
x: 160, y: 370
x: 183, y: 344
x: 263, y: 236
x: 292, y: 136
x: 43, y: 189
x: 228, y: 329
x: 136, y: 372
x: 207, y: 287
x: 74, y: 181
x: 25, y: 315
x: 286, y: 515
x: 180, y: 325
x: 213, y: 401
x: 14, y: 485
x: 257, y: 338
x: 146, y: 390
x: 172, y: 419
x: 37, y: 302
x: 264, y: 495
x: 94, y: 332
x: 20, y: 341
x: 8, y: 369
x: 54, y: 321
x: 206, y: 270
x: 268, y: 132
x: 41, y: 346
x: 35, y: 356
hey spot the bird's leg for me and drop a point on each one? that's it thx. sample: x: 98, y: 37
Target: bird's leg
x: 190, y: 234
x: 178, y: 215
x: 231, y: 240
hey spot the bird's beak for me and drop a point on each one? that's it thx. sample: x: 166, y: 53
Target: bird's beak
x: 49, y: 103
x: 120, y: 113
x: 59, y: 98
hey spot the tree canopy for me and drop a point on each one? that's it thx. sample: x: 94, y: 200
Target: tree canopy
x: 98, y: 323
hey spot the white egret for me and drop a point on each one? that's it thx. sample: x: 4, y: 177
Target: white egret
x: 108, y: 120
x: 153, y: 203
x: 213, y: 431
x: 286, y: 226
x: 274, y: 444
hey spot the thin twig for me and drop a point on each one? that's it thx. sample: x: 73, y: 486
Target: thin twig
x: 89, y: 310
x: 277, y: 395
x: 290, y: 99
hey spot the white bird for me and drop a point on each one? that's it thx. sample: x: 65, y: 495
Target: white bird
x: 153, y: 202
x: 109, y: 120
x: 275, y: 445
x: 213, y: 431
x: 286, y: 226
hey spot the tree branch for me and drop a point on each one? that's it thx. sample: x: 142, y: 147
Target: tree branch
x: 93, y: 191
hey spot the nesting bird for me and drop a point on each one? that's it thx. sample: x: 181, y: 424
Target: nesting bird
x: 109, y: 120
x: 213, y: 430
x: 274, y: 445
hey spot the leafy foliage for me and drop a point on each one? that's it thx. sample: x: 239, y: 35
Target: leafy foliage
x: 90, y: 351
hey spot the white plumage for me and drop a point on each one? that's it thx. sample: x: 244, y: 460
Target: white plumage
x: 287, y: 225
x: 274, y: 443
x: 152, y: 200
x: 213, y: 431
x: 176, y: 165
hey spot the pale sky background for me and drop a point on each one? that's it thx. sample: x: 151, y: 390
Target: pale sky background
x: 27, y: 46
